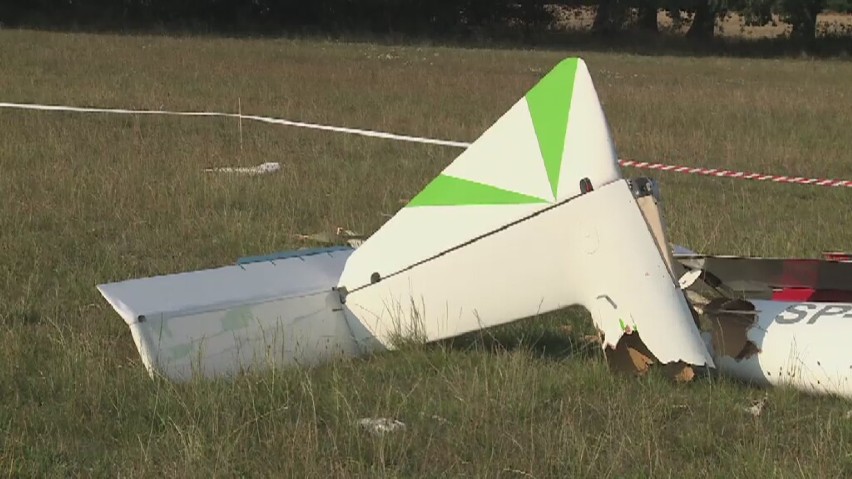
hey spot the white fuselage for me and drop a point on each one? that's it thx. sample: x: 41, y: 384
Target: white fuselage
x: 801, y: 344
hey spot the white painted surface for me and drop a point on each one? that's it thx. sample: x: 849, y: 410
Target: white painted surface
x: 802, y: 344
x: 589, y: 150
x: 226, y: 286
x: 595, y: 247
x: 507, y: 156
x: 221, y: 321
x: 595, y: 250
x: 416, y: 234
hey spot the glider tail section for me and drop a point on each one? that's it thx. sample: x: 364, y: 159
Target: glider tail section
x: 534, y: 216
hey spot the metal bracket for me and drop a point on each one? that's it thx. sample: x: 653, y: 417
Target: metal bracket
x: 644, y: 186
x: 342, y: 293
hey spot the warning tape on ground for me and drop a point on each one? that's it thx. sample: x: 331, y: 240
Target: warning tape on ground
x: 691, y: 170
x: 430, y: 141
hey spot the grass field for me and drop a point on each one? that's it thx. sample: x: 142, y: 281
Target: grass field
x: 91, y: 199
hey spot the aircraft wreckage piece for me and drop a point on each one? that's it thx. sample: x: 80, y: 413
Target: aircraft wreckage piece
x: 262, y: 312
x: 786, y: 328
x: 534, y: 216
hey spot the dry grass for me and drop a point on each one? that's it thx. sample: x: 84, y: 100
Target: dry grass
x: 93, y: 199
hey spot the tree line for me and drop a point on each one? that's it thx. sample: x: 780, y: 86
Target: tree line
x: 417, y: 17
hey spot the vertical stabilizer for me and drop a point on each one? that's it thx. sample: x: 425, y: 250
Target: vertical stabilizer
x: 532, y: 217
x: 532, y: 157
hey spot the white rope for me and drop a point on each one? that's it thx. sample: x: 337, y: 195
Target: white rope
x: 262, y: 119
x: 418, y: 139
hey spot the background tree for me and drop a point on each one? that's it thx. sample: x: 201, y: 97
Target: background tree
x: 647, y: 15
x: 802, y: 15
x: 611, y: 16
x: 418, y: 17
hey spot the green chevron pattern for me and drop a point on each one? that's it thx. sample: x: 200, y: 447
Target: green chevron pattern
x: 450, y: 191
x: 549, y: 103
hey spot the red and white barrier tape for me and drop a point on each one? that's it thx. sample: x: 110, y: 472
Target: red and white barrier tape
x: 432, y: 141
x: 735, y: 174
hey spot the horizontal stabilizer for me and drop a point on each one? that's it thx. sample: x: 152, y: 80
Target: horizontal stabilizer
x: 224, y: 320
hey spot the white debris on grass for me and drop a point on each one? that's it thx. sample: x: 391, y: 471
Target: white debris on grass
x: 340, y: 234
x: 269, y: 167
x: 436, y: 418
x: 381, y: 425
x: 757, y: 406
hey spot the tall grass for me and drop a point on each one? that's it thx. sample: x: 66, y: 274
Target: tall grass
x: 89, y: 199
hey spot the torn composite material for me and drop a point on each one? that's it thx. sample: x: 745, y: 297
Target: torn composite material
x: 532, y: 217
x: 777, y: 278
x: 802, y: 344
x: 794, y: 344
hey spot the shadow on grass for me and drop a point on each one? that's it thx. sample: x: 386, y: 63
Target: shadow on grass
x: 20, y: 316
x: 545, y: 341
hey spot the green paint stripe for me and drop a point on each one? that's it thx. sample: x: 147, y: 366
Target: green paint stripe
x: 549, y: 103
x: 450, y: 191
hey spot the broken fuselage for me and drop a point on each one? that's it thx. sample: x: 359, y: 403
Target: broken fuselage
x: 779, y: 322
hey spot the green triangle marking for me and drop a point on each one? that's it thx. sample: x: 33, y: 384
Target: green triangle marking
x: 549, y: 102
x: 451, y: 191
